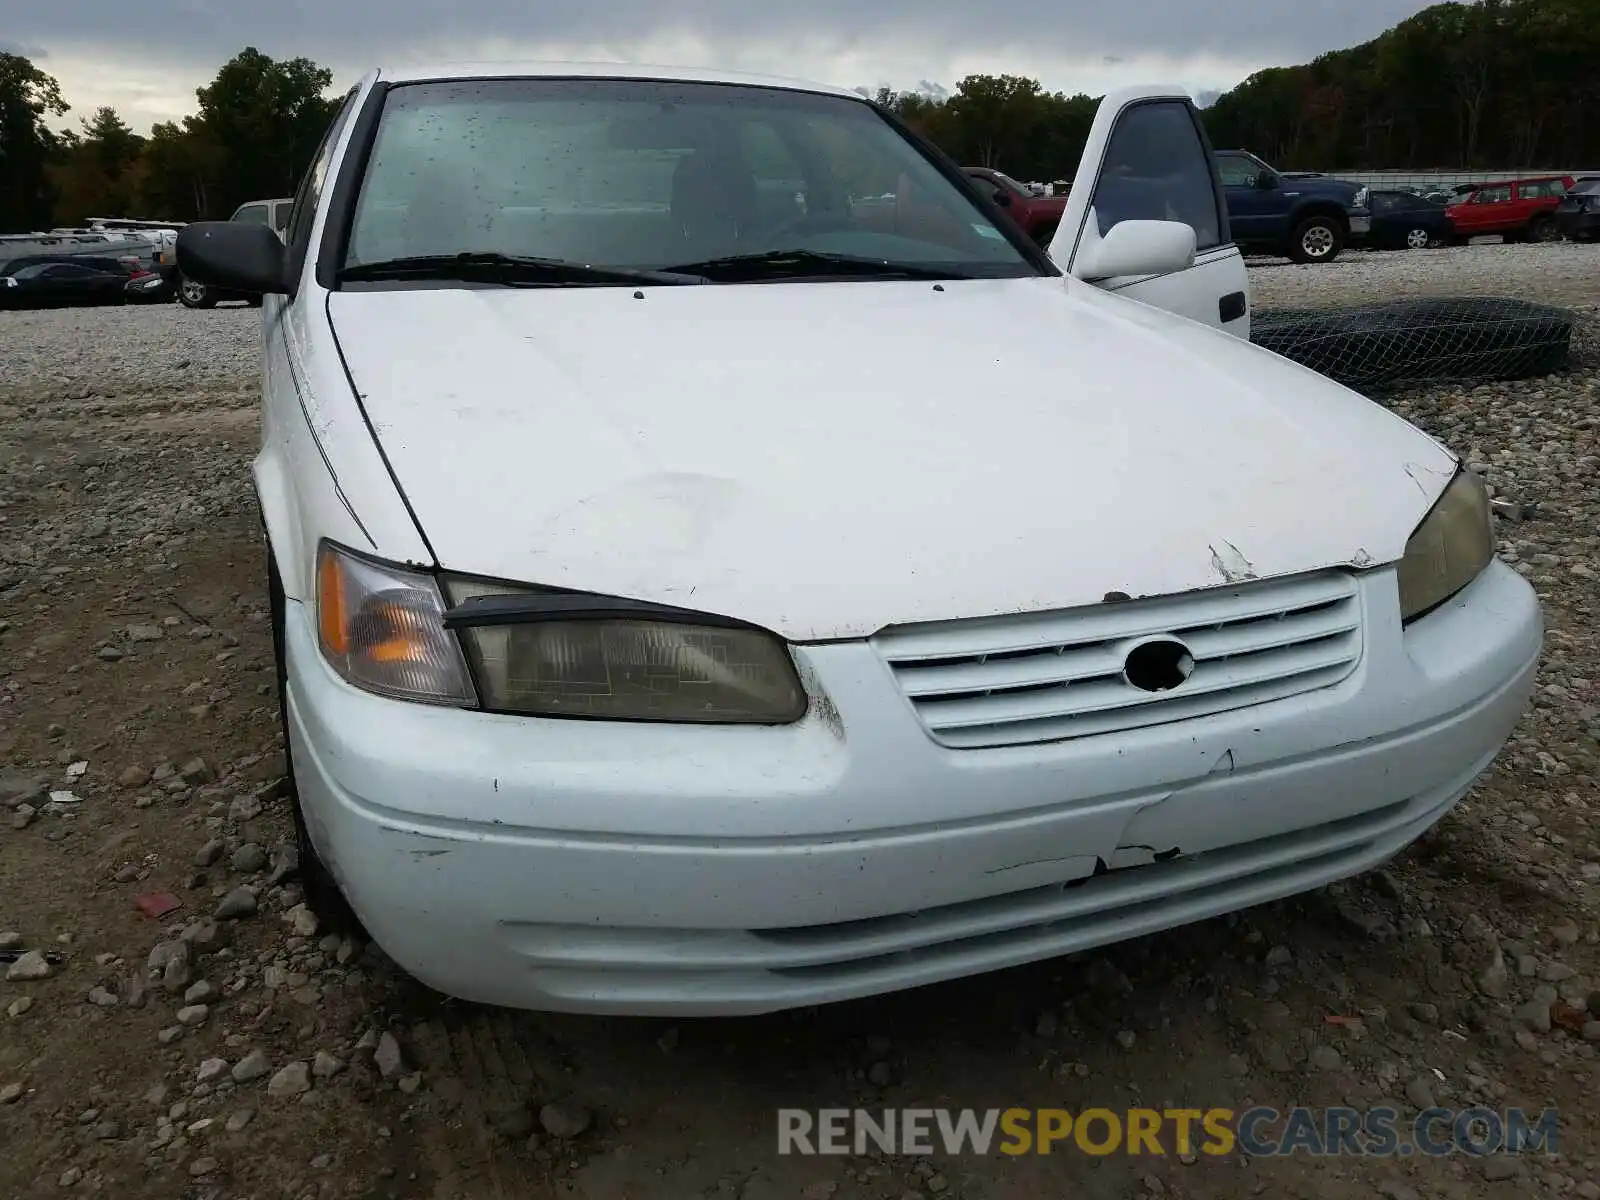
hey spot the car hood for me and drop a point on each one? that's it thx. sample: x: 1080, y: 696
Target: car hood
x: 826, y: 459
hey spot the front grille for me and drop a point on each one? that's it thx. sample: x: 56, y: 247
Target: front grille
x: 1040, y: 677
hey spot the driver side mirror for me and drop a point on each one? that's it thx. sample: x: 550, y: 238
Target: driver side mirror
x: 234, y: 256
x: 1266, y: 181
x: 1139, y: 248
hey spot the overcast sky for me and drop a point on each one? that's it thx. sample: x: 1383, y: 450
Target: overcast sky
x: 146, y: 59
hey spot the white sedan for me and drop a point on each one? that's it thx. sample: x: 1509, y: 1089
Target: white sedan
x: 699, y: 589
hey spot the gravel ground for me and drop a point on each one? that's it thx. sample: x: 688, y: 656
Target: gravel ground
x: 230, y: 1048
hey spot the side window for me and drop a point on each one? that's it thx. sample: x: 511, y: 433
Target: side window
x: 302, y: 212
x: 1156, y: 169
x: 256, y: 214
x: 1493, y: 195
x: 280, y: 214
x: 1237, y: 171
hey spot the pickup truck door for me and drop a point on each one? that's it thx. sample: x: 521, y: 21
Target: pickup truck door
x: 1255, y: 213
x: 1148, y: 157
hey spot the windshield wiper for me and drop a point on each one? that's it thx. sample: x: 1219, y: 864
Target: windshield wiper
x: 513, y: 270
x: 809, y: 264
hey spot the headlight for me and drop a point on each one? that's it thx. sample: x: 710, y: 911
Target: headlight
x: 564, y: 655
x: 381, y: 628
x: 1361, y: 198
x: 1451, y: 547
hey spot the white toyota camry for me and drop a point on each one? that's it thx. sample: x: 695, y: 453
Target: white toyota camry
x: 720, y: 564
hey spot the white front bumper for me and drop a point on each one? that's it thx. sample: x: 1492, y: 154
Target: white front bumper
x: 588, y: 866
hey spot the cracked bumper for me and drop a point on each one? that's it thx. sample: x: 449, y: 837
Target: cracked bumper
x: 606, y: 868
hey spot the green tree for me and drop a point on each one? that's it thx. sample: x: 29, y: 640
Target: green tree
x: 96, y: 172
x: 262, y: 119
x: 27, y: 97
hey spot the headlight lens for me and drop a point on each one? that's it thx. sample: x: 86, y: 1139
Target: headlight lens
x: 1361, y: 198
x: 1451, y: 547
x: 629, y: 669
x: 380, y: 628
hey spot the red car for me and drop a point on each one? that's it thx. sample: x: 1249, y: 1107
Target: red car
x: 1038, y: 215
x: 1520, y: 209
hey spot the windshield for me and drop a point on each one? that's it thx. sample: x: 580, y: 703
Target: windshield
x: 642, y: 174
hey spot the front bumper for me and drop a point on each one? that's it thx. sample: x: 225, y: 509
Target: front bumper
x: 600, y: 867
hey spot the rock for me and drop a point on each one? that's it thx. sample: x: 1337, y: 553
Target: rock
x: 325, y: 1065
x: 23, y: 817
x: 388, y: 1057
x: 410, y: 1084
x: 169, y: 1035
x: 1279, y: 956
x: 1535, y: 1014
x: 302, y: 920
x: 291, y: 1080
x: 23, y: 1003
x: 134, y: 990
x: 237, y: 904
x: 209, y: 853
x: 196, y: 770
x: 245, y: 808
x: 1498, y: 1167
x: 1422, y: 1011
x: 1420, y: 1093
x: 205, y: 935
x: 248, y: 859
x: 211, y: 1069
x: 1566, y: 933
x: 251, y: 1067
x: 204, y: 1165
x: 144, y: 633
x: 565, y: 1121
x: 106, y: 1131
x: 10, y: 1093
x: 1324, y: 1057
x: 102, y: 998
x: 21, y: 787
x: 1591, y: 1031
x: 192, y: 1014
x: 133, y: 777
x: 1126, y: 1038
x: 199, y: 993
x: 1495, y: 979
x: 239, y: 1120
x: 10, y: 940
x: 29, y: 966
x: 177, y: 967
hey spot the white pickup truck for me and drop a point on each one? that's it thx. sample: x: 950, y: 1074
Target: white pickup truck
x: 272, y: 213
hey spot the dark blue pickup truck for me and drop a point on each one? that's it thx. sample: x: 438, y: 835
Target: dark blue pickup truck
x: 1309, y: 218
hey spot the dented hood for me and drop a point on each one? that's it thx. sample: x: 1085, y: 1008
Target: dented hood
x: 827, y: 459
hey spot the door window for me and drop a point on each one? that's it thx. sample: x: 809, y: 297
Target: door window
x: 1493, y: 195
x: 255, y: 214
x: 1237, y: 171
x: 1156, y: 168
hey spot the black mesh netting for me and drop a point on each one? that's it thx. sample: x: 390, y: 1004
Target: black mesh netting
x: 1398, y: 341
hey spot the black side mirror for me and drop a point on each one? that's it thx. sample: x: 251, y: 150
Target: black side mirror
x: 235, y: 256
x: 1266, y: 181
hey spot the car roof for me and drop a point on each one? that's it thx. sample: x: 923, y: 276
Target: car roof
x: 416, y: 73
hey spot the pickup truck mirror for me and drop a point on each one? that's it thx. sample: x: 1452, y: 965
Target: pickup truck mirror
x: 1267, y: 180
x: 235, y: 256
x: 1139, y: 248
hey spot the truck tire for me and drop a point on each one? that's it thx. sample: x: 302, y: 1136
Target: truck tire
x: 195, y: 295
x: 1317, y: 239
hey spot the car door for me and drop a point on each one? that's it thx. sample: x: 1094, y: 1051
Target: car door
x: 1148, y: 157
x: 1489, y: 211
x: 1252, y: 209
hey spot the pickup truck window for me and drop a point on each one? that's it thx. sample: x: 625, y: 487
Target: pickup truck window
x: 1237, y: 170
x: 647, y: 174
x: 1156, y: 169
x: 256, y: 213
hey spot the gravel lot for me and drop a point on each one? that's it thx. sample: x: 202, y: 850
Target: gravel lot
x: 229, y: 1048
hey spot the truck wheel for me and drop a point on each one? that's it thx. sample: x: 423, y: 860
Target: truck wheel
x: 1316, y: 240
x: 195, y: 295
x: 1418, y: 239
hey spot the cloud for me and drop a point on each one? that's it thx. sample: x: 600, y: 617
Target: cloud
x: 151, y: 66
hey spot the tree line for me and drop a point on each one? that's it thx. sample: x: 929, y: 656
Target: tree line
x: 1493, y: 84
